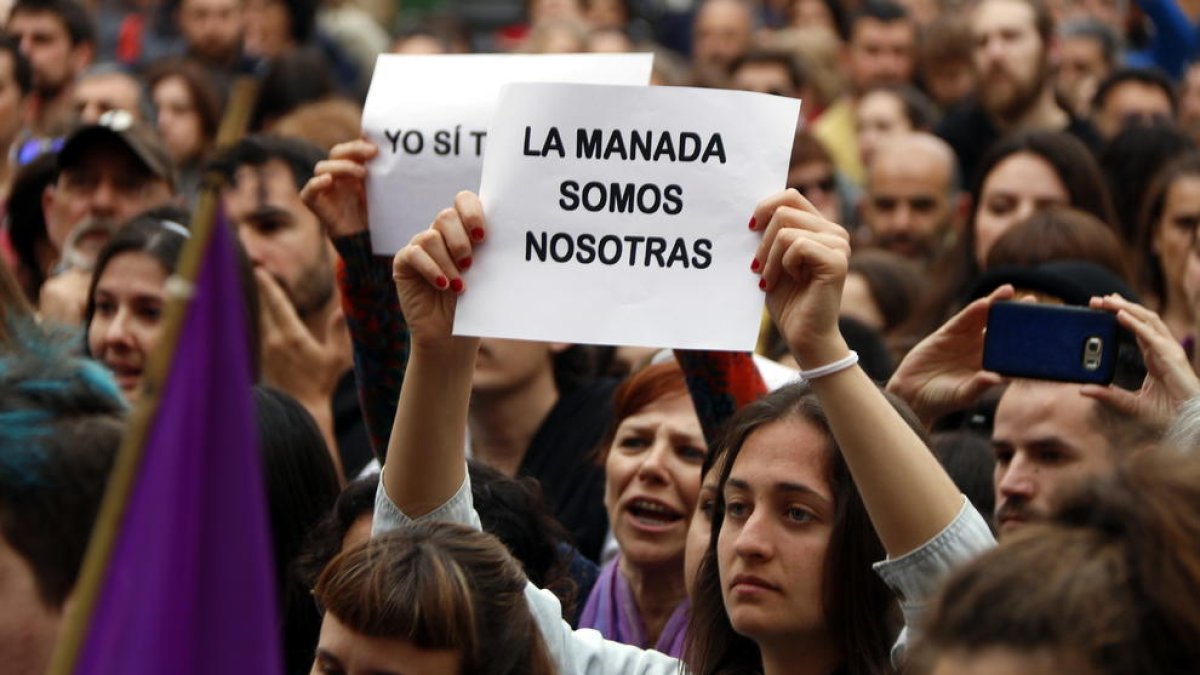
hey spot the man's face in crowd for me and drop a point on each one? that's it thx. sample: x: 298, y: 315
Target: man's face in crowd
x: 93, y: 96
x: 1046, y: 439
x: 281, y: 235
x: 1010, y: 57
x: 1128, y: 101
x: 764, y: 77
x: 212, y: 28
x: 104, y: 187
x: 28, y: 627
x: 721, y: 33
x: 881, y: 52
x: 909, y: 207
x: 44, y: 40
x: 1081, y: 66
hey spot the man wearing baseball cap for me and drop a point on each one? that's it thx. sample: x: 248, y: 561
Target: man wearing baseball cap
x: 108, y: 172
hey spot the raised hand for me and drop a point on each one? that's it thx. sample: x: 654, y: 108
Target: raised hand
x: 1170, y: 379
x: 803, y: 259
x: 428, y: 271
x: 336, y: 192
x: 944, y: 372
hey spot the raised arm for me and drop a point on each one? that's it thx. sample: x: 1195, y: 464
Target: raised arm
x: 378, y: 330
x: 944, y: 372
x: 803, y: 260
x: 426, y: 458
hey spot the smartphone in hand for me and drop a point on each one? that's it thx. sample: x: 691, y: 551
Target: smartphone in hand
x: 1050, y: 342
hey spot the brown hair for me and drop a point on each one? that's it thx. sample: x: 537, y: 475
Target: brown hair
x: 857, y: 604
x: 439, y: 586
x: 656, y: 381
x: 1112, y: 582
x: 1061, y: 233
x: 946, y: 40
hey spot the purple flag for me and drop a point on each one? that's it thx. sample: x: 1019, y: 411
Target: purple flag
x: 190, y: 586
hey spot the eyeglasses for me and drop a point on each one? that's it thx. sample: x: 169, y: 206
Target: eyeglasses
x: 33, y: 148
x: 827, y: 185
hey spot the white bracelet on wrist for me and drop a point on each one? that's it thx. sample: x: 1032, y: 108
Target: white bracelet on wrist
x: 844, y: 363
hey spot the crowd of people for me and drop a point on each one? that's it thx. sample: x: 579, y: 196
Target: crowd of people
x: 859, y: 496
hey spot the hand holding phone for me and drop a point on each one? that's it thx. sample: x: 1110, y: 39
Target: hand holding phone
x: 1050, y: 342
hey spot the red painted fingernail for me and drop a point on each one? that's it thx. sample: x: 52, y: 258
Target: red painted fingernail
x: 754, y: 265
x: 456, y: 285
x: 465, y: 263
x: 753, y: 222
x: 762, y: 284
x: 477, y: 234
x: 441, y: 282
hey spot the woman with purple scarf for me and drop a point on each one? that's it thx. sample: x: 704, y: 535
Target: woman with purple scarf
x: 652, y: 460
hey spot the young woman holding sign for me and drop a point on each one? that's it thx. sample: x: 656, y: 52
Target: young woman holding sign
x: 786, y: 551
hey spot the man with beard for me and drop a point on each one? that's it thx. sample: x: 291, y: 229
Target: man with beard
x: 1013, y: 44
x: 58, y: 38
x: 913, y: 205
x: 108, y: 172
x: 306, y: 349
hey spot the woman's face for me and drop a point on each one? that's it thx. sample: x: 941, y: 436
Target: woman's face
x: 652, y: 480
x: 880, y: 115
x: 127, y: 322
x: 1019, y: 186
x: 1175, y: 232
x: 342, y: 651
x: 779, y: 514
x: 178, y: 121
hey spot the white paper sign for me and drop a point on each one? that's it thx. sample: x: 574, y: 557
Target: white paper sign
x: 429, y: 117
x: 618, y: 215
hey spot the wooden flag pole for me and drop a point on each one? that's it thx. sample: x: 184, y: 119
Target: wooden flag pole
x: 129, y: 457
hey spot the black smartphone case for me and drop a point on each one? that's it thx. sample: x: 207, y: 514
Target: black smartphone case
x: 1050, y: 342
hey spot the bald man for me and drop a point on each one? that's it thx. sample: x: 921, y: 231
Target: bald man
x: 913, y: 205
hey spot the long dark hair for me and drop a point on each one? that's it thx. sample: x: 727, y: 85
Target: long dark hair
x: 858, y: 607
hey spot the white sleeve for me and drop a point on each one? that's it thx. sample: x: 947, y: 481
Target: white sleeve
x: 917, y: 575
